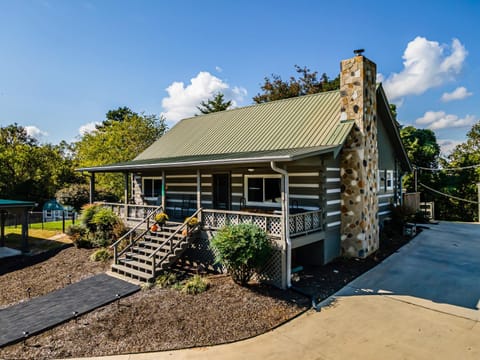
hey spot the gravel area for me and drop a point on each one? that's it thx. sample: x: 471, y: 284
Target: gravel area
x: 155, y: 319
x: 44, y: 273
x: 166, y: 319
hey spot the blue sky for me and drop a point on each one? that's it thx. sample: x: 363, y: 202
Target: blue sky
x: 64, y: 64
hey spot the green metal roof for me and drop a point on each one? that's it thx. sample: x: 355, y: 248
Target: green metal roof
x: 300, y: 122
x: 15, y: 203
x: 283, y: 130
x: 221, y: 159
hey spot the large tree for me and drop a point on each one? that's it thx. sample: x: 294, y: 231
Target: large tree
x: 217, y: 103
x: 32, y: 171
x: 461, y: 177
x: 122, y: 136
x: 423, y: 151
x: 308, y: 82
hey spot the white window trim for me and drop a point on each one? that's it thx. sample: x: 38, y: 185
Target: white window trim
x: 257, y: 203
x: 389, y: 176
x: 150, y: 198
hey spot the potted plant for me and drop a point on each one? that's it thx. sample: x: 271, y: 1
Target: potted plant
x: 161, y: 218
x: 191, y: 223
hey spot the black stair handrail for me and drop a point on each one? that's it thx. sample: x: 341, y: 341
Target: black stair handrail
x: 131, y: 232
x: 169, y: 240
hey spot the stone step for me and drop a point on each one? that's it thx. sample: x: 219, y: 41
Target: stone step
x: 136, y: 265
x: 132, y: 273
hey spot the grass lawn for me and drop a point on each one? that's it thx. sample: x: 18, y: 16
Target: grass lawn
x: 51, y: 225
x: 38, y: 239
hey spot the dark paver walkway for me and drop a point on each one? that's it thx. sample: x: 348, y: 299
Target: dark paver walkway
x: 46, y: 311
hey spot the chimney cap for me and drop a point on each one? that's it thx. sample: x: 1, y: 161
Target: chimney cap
x: 358, y: 52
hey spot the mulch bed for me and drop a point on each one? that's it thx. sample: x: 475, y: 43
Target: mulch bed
x: 166, y: 319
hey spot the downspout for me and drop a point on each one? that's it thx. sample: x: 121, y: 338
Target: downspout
x: 286, y: 213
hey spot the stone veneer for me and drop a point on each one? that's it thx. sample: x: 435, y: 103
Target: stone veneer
x: 359, y: 158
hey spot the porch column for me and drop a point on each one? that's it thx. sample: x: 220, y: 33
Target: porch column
x: 25, y: 231
x: 92, y: 188
x: 163, y: 192
x: 126, y: 187
x: 199, y: 190
x: 2, y: 226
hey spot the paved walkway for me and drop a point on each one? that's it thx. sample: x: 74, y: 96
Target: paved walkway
x: 421, y: 303
x: 46, y: 311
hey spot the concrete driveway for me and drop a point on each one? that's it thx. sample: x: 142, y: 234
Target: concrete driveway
x: 421, y: 303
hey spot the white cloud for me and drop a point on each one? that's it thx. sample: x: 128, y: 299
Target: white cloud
x: 88, y: 128
x: 182, y: 101
x: 440, y: 120
x: 425, y: 66
x: 218, y: 69
x: 457, y: 94
x: 35, y: 132
x: 447, y: 146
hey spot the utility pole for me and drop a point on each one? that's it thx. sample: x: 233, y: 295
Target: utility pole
x: 478, y: 186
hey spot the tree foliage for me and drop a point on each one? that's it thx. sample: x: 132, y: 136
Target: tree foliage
x: 308, y: 82
x: 462, y: 183
x: 121, y: 137
x: 423, y: 151
x: 217, y: 103
x: 243, y: 249
x: 33, y: 171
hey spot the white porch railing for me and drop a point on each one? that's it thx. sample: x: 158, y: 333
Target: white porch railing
x: 299, y: 224
x: 305, y: 222
x: 215, y: 219
x: 130, y: 212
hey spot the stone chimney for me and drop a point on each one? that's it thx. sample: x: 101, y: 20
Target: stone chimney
x: 359, y: 158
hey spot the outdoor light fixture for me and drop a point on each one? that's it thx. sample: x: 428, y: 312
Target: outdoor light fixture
x: 250, y: 170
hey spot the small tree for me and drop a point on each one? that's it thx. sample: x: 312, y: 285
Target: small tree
x: 243, y: 249
x: 217, y: 103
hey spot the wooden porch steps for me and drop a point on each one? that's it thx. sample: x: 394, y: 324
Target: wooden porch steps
x: 137, y: 262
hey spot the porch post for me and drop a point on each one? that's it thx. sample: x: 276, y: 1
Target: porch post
x: 2, y: 226
x: 92, y: 188
x: 126, y: 187
x: 25, y: 231
x: 163, y: 191
x: 199, y: 190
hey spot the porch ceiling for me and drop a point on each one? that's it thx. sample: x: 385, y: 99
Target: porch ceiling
x: 284, y: 155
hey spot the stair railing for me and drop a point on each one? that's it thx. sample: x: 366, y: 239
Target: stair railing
x: 131, y: 234
x: 169, y: 241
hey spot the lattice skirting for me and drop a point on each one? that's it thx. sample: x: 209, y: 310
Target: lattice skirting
x: 200, y: 254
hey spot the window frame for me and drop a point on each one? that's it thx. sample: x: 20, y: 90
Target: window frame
x: 150, y: 197
x: 389, y: 177
x: 263, y: 203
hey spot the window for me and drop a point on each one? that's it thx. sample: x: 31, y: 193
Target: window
x: 152, y: 187
x: 263, y: 190
x: 381, y: 180
x: 389, y: 180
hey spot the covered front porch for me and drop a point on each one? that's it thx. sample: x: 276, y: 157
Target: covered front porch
x: 283, y: 193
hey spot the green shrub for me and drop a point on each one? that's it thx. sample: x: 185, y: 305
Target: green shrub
x: 102, y: 225
x: 104, y: 219
x: 195, y: 285
x: 78, y: 235
x: 166, y: 280
x: 243, y: 249
x: 86, y: 216
x: 101, y: 255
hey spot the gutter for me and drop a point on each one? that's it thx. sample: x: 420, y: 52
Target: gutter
x: 286, y: 211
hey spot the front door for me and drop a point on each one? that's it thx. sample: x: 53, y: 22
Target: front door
x: 221, y: 191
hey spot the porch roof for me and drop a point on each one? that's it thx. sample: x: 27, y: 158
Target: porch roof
x: 220, y: 159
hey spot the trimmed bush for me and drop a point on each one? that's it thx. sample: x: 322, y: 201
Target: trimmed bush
x: 243, y: 249
x: 195, y: 285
